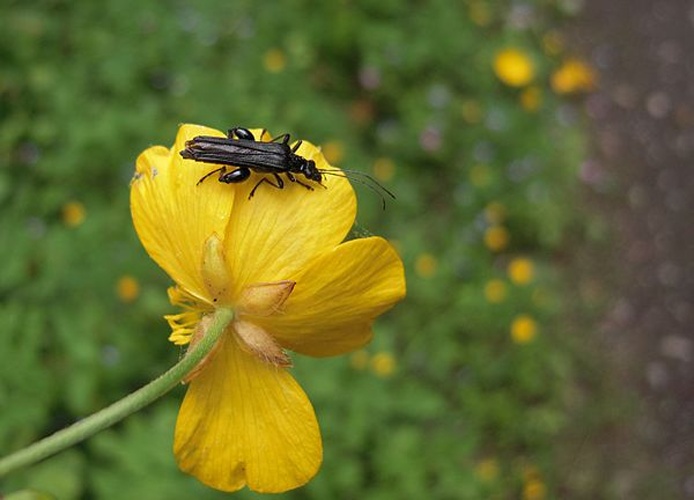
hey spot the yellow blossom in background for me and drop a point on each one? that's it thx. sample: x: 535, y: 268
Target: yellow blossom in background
x: 274, y: 60
x: 425, y: 265
x: 480, y: 175
x: 496, y: 238
x: 479, y: 12
x: 359, y: 359
x: 472, y: 111
x: 383, y: 364
x: 534, y: 489
x: 333, y: 151
x: 514, y: 67
x: 495, y: 291
x: 521, y: 271
x: 384, y: 169
x: 573, y: 76
x: 531, y: 98
x: 523, y: 329
x: 495, y: 212
x: 127, y: 288
x: 73, y: 213
x: 293, y: 285
x: 487, y: 470
x: 361, y: 111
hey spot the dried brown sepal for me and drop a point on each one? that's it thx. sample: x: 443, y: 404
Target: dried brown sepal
x: 265, y: 299
x: 256, y: 341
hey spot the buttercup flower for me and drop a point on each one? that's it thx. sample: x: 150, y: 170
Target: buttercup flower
x: 74, y: 213
x: 573, y: 76
x: 383, y: 364
x: 279, y: 261
x: 426, y: 265
x: 521, y: 270
x: 127, y: 288
x: 495, y: 291
x: 274, y: 60
x: 514, y: 67
x: 496, y: 238
x: 523, y: 329
x: 487, y: 469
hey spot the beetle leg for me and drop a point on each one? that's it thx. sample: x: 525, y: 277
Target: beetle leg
x: 221, y: 171
x: 293, y: 178
x: 284, y: 139
x: 279, y: 185
x: 310, y: 188
x: 297, y: 146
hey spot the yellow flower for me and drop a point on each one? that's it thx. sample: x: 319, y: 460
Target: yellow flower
x: 514, y: 67
x: 480, y: 175
x: 495, y: 212
x: 127, y: 288
x: 480, y: 13
x: 573, y: 76
x: 383, y: 364
x: 521, y: 271
x: 425, y: 265
x: 274, y: 60
x: 487, y: 469
x: 333, y: 152
x: 534, y: 489
x: 495, y: 291
x: 531, y: 98
x: 523, y: 329
x: 472, y: 111
x: 359, y: 359
x: 496, y: 238
x: 384, y: 169
x: 361, y: 111
x: 73, y: 213
x: 279, y: 261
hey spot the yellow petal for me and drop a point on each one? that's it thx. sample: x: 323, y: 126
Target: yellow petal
x: 278, y: 231
x: 214, y: 272
x: 172, y: 215
x: 245, y: 422
x: 337, y: 297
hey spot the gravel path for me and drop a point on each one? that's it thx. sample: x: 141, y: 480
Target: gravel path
x: 643, y: 172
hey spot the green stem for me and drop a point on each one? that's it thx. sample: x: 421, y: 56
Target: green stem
x: 116, y: 412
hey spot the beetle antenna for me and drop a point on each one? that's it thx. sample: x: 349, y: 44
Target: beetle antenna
x: 364, y: 179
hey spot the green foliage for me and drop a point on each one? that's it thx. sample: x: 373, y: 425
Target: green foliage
x: 85, y: 86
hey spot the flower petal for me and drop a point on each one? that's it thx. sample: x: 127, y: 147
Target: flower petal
x: 172, y: 215
x: 337, y: 297
x: 245, y: 422
x: 278, y: 231
x: 213, y: 270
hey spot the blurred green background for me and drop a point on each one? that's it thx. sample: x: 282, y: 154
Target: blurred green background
x: 471, y: 386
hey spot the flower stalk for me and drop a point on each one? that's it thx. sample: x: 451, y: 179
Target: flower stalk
x: 116, y: 412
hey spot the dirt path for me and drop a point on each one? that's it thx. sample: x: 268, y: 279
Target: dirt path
x: 643, y: 128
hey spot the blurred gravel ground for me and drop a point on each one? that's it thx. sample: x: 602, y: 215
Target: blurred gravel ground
x: 643, y: 183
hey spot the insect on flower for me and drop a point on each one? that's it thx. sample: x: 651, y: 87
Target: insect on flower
x: 243, y: 153
x: 291, y: 285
